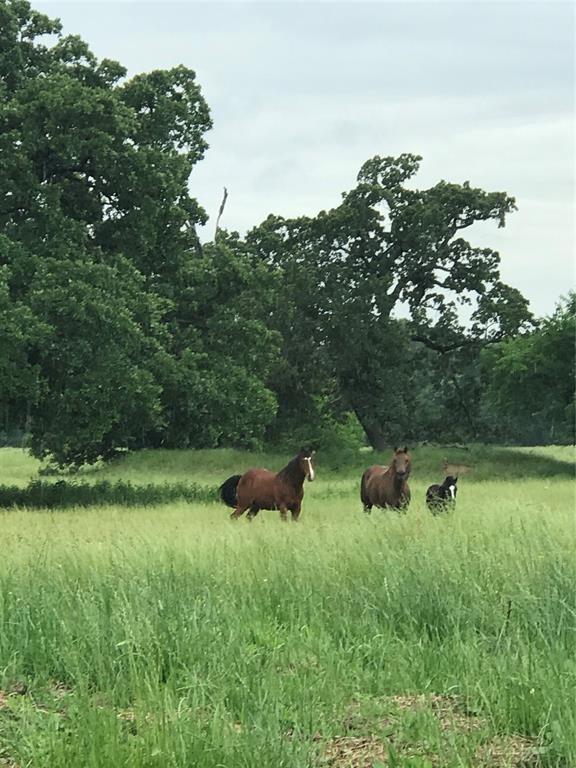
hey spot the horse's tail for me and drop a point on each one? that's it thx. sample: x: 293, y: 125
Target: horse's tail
x: 363, y: 492
x: 363, y: 488
x: 228, y: 490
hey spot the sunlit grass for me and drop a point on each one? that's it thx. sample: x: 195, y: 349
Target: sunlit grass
x: 171, y: 636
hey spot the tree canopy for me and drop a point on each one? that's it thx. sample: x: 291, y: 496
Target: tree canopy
x: 530, y: 379
x: 120, y: 329
x: 388, y: 246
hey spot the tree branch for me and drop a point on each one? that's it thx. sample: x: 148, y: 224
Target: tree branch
x: 444, y: 348
x: 220, y: 212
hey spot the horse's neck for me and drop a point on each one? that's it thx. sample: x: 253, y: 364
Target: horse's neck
x: 394, y: 479
x: 391, y: 470
x: 293, y: 473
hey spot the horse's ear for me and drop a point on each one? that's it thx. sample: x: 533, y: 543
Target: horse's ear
x: 405, y: 449
x: 395, y: 448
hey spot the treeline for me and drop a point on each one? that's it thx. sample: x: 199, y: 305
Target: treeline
x: 119, y: 329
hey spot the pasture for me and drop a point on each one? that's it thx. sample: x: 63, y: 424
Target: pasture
x: 143, y: 628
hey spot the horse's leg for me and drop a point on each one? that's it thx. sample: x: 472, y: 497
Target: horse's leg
x: 405, y: 499
x: 238, y: 512
x: 296, y: 512
x: 252, y: 512
x: 402, y: 505
x: 283, y: 513
x: 367, y: 508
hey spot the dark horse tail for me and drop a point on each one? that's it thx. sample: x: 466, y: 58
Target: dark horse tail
x: 228, y: 490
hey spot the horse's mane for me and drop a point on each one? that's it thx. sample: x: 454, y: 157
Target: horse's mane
x: 292, y: 470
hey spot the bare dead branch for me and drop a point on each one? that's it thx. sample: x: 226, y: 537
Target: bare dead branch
x: 220, y: 212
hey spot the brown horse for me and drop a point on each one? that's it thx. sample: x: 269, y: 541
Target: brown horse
x: 387, y: 486
x: 261, y: 489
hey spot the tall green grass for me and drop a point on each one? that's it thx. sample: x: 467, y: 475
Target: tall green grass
x: 171, y: 636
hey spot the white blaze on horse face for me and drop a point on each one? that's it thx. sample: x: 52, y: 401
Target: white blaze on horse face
x: 310, y: 472
x: 452, y: 494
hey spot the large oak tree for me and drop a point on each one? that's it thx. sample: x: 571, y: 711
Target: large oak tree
x: 387, y: 246
x: 120, y: 331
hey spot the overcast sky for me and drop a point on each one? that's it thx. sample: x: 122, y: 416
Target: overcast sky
x: 303, y: 93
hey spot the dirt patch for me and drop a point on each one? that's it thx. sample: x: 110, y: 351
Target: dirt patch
x: 5, y: 760
x: 351, y: 752
x: 59, y: 690
x: 508, y: 751
x: 433, y: 730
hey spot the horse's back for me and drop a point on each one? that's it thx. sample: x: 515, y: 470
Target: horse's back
x: 374, y: 470
x: 256, y: 477
x: 256, y: 473
x: 257, y: 486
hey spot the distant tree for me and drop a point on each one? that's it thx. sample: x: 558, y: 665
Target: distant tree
x: 346, y: 271
x: 530, y: 380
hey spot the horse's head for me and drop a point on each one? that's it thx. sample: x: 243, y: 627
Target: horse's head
x: 450, y: 485
x: 402, y: 463
x: 305, y: 458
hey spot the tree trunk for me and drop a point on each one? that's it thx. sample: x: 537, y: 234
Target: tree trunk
x: 373, y: 431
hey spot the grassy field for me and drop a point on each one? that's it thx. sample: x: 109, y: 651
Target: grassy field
x: 139, y: 627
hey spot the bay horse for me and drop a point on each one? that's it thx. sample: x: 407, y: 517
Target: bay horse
x: 260, y: 489
x: 441, y: 497
x: 387, y: 486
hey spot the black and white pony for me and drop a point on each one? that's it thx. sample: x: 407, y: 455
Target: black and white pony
x: 441, y: 497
